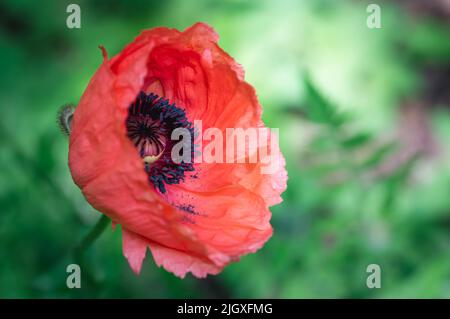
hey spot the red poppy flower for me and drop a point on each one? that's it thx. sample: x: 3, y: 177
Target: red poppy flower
x: 194, y: 217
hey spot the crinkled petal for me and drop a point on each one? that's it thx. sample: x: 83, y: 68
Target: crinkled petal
x: 180, y: 262
x: 134, y: 249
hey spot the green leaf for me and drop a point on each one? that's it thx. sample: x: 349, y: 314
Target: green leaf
x: 317, y: 108
x: 378, y: 155
x: 430, y: 41
x: 356, y: 140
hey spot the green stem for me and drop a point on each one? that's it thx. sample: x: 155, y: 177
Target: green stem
x: 91, y: 237
x: 85, y: 243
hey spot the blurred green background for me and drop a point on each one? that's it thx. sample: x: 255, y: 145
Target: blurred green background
x: 364, y: 118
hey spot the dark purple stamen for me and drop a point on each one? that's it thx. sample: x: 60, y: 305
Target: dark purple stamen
x: 150, y: 122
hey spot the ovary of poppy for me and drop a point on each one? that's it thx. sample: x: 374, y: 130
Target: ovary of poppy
x: 213, y: 213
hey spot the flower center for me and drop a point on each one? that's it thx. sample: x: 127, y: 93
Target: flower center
x: 149, y: 124
x: 148, y: 135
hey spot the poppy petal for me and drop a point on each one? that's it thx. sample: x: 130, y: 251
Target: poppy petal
x: 134, y: 249
x: 180, y: 262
